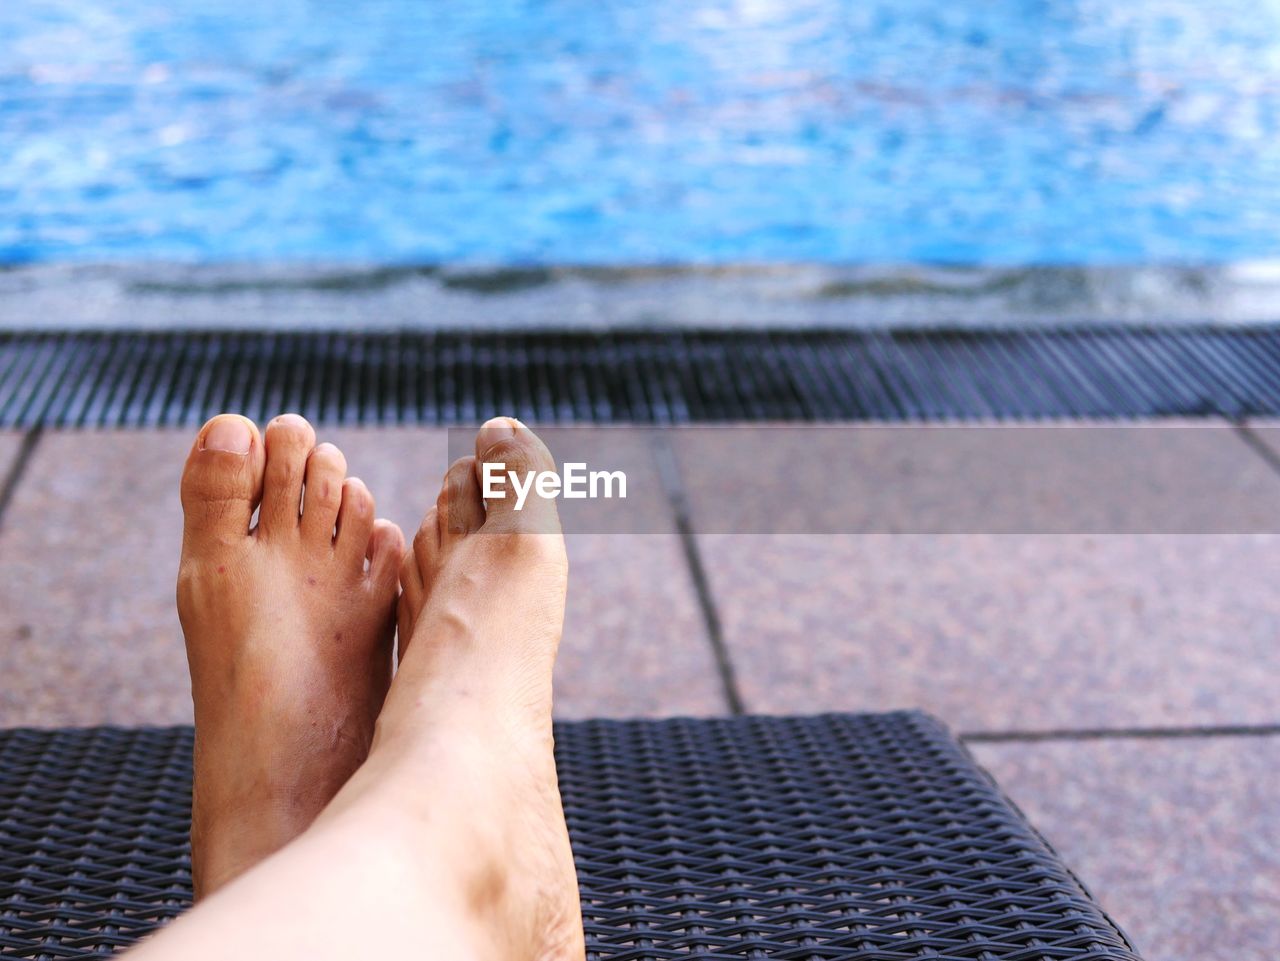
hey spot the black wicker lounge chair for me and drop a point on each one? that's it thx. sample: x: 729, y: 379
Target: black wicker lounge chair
x: 870, y: 837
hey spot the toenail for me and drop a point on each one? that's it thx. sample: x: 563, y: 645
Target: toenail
x: 495, y: 431
x: 229, y: 434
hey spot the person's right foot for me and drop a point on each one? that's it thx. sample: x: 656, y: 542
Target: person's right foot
x: 288, y: 634
x: 462, y: 757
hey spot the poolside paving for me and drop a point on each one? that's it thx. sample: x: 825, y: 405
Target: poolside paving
x: 89, y: 541
x: 10, y: 442
x: 1178, y: 838
x: 1266, y: 432
x: 1005, y: 633
x: 1103, y: 619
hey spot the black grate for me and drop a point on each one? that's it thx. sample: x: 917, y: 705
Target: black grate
x: 870, y: 837
x: 119, y: 379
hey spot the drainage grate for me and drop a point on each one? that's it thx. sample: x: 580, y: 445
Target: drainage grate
x: 129, y: 379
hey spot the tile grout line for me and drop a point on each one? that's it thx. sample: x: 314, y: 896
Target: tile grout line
x: 1255, y: 443
x: 669, y: 471
x: 27, y: 447
x: 1121, y: 733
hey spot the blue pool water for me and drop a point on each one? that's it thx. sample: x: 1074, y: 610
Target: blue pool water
x: 625, y: 131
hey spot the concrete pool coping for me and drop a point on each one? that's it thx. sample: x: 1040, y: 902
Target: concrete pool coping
x: 167, y: 296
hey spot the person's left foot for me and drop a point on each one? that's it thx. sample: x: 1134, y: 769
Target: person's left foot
x: 289, y: 636
x: 463, y: 759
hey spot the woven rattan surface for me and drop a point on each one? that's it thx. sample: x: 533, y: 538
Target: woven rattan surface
x: 841, y: 836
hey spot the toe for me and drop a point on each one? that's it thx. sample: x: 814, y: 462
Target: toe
x: 412, y: 597
x: 222, y: 480
x: 426, y: 547
x: 322, y: 493
x: 417, y: 574
x: 459, y: 508
x: 411, y: 586
x: 355, y: 521
x: 405, y: 620
x: 505, y: 445
x: 384, y: 553
x: 288, y: 440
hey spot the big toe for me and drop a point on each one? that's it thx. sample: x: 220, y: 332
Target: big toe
x: 222, y: 480
x: 509, y: 458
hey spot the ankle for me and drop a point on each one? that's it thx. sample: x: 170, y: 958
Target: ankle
x: 436, y: 837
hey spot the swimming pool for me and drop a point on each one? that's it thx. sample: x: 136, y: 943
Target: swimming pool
x: 640, y: 131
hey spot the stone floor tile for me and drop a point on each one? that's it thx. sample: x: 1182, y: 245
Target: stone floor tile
x: 1178, y: 838
x: 1005, y: 632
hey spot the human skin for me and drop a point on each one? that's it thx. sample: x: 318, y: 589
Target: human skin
x: 449, y: 839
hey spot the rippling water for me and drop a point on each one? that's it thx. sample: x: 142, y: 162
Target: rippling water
x: 611, y: 131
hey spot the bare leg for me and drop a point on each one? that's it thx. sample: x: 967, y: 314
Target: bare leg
x: 450, y: 840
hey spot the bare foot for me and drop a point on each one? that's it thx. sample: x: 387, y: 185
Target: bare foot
x: 463, y: 750
x: 288, y: 635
